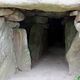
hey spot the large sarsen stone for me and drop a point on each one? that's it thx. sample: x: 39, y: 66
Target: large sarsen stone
x: 7, y: 55
x: 21, y: 49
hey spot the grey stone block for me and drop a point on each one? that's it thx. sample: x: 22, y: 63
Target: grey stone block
x: 73, y: 56
x: 7, y: 55
x: 37, y: 40
x: 23, y: 58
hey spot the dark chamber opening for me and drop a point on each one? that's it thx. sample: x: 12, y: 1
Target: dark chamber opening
x: 55, y: 38
x: 46, y: 42
x: 56, y: 33
x: 52, y: 46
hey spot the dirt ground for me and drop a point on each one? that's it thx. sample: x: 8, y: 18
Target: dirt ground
x: 52, y: 66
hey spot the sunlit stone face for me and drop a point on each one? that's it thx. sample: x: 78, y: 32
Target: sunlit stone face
x: 77, y: 26
x: 77, y: 23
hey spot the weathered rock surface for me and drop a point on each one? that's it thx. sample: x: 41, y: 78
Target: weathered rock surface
x: 73, y: 56
x: 7, y: 55
x: 5, y: 12
x: 70, y: 33
x: 7, y: 68
x: 16, y: 16
x: 21, y: 49
x: 77, y: 21
x: 12, y: 24
x: 74, y: 45
x: 46, y: 5
x: 41, y: 20
x: 36, y: 41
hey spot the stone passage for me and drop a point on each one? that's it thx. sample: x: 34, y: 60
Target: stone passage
x: 14, y: 52
x: 51, y: 67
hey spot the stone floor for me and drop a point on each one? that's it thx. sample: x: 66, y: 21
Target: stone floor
x: 53, y: 66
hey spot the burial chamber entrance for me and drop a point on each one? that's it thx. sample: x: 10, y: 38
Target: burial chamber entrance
x: 40, y: 41
x: 46, y: 42
x: 46, y: 34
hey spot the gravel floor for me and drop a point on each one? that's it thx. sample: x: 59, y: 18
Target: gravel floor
x: 51, y: 67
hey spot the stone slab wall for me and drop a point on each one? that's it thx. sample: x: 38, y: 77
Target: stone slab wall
x: 23, y: 59
x: 37, y: 38
x: 70, y: 33
x: 73, y: 56
x: 7, y: 54
x: 36, y: 41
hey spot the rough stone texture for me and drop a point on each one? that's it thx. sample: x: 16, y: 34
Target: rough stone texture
x: 41, y: 19
x: 12, y: 24
x: 16, y: 16
x: 7, y: 56
x: 73, y: 56
x: 70, y: 33
x: 5, y: 12
x: 30, y: 13
x: 21, y: 49
x: 77, y: 22
x: 37, y: 40
x: 8, y: 68
x: 46, y: 5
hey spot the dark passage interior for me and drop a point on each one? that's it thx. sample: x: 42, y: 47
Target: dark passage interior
x: 43, y: 38
x: 56, y: 33
x: 45, y: 34
x: 55, y: 37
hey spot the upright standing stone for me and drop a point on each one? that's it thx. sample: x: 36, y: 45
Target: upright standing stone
x: 21, y: 49
x: 7, y: 55
x: 73, y: 56
x: 37, y: 38
x: 70, y: 33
